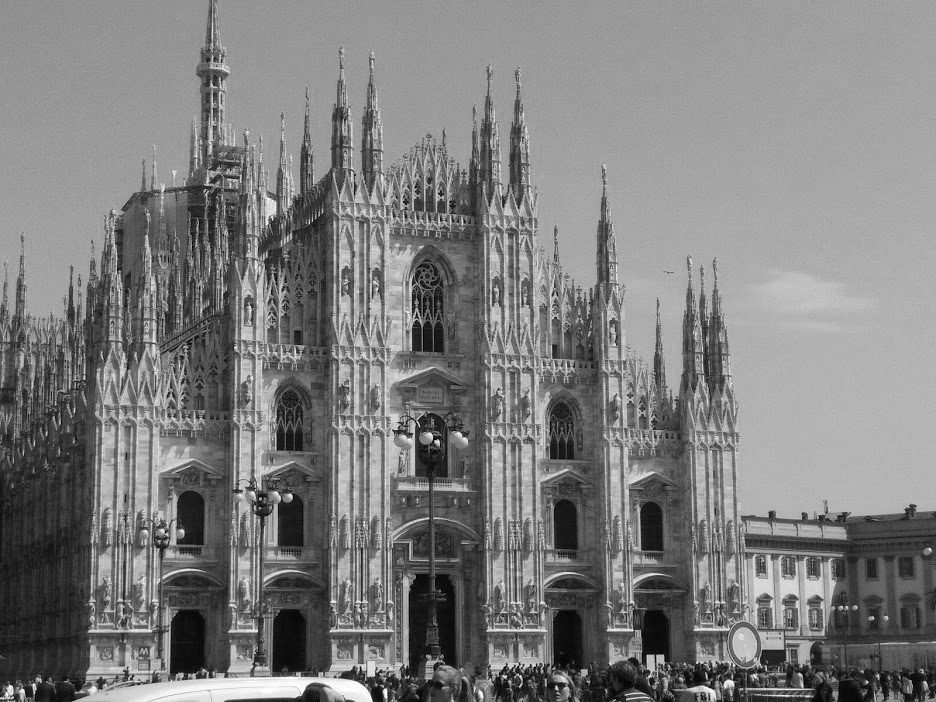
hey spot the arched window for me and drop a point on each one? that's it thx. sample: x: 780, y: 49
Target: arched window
x: 190, y: 512
x: 565, y: 526
x: 561, y: 432
x: 288, y: 422
x: 434, y: 422
x: 651, y: 527
x: 290, y: 520
x: 428, y: 311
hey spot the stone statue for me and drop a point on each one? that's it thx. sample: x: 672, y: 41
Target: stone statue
x: 375, y: 396
x: 106, y: 592
x: 706, y: 597
x: 248, y: 311
x: 615, y: 407
x: 516, y: 621
x: 525, y: 404
x: 139, y: 593
x: 734, y: 596
x: 107, y: 528
x: 496, y: 292
x: 247, y: 390
x: 142, y: 531
x: 346, y: 596
x: 243, y: 592
x: 92, y: 622
x: 401, y: 462
x: 497, y: 405
x: 499, y: 600
x: 531, y: 597
x: 344, y: 394
x: 375, y: 284
x: 621, y: 597
x: 245, y: 530
x: 345, y: 281
x: 377, y: 595
x: 612, y: 333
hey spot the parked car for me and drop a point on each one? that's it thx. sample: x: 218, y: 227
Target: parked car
x: 280, y: 689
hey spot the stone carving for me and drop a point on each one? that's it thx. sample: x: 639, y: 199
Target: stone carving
x: 734, y: 596
x: 540, y: 535
x: 142, y: 531
x: 528, y: 535
x: 139, y: 593
x: 630, y: 534
x: 402, y: 459
x: 614, y: 409
x: 499, y: 597
x: 377, y: 595
x: 389, y: 539
x: 248, y: 311
x: 243, y: 593
x: 613, y: 332
x: 705, y: 597
x: 245, y: 530
x: 617, y: 535
x: 525, y: 405
x: 346, y: 596
x: 376, y: 534
x: 703, y: 536
x: 91, y: 607
x: 486, y: 534
x: 345, y: 281
x: 375, y: 394
x: 107, y: 528
x: 344, y: 394
x: 730, y: 542
x: 620, y: 597
x: 531, y: 596
x: 247, y: 391
x: 107, y: 589
x: 344, y: 534
x: 333, y: 533
x: 526, y: 292
x: 496, y: 292
x: 498, y: 534
x: 497, y: 403
x: 692, y: 538
x: 376, y: 284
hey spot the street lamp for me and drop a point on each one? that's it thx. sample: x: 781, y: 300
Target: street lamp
x: 261, y: 504
x: 882, y: 622
x: 845, y: 607
x: 432, y: 444
x: 161, y: 538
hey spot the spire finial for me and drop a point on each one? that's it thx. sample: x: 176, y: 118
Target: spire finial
x: 658, y: 311
x: 689, y: 268
x: 213, y: 33
x: 282, y: 127
x: 490, y: 77
x: 517, y: 74
x: 556, y: 244
x: 341, y: 58
x: 604, y: 176
x: 154, y: 177
x: 143, y: 179
x: 715, y: 271
x: 371, y: 61
x: 307, y: 97
x: 702, y: 278
x: 474, y: 116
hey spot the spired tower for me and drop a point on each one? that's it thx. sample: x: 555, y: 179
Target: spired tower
x: 239, y: 328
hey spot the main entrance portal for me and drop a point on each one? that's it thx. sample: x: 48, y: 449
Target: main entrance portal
x: 567, y: 639
x: 419, y: 619
x: 656, y: 633
x: 289, y: 641
x: 187, y: 642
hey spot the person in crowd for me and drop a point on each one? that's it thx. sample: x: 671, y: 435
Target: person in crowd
x: 560, y: 688
x: 622, y: 676
x: 45, y: 690
x: 850, y: 691
x: 700, y: 691
x: 449, y: 685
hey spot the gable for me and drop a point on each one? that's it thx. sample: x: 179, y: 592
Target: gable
x: 432, y: 386
x: 193, y: 472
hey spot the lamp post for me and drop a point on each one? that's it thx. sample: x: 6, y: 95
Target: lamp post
x: 161, y: 538
x: 261, y: 504
x: 845, y: 607
x: 881, y: 622
x: 432, y: 447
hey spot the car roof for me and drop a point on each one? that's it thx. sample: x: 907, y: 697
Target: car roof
x: 351, y: 690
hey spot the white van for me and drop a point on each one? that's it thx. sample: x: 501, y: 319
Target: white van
x: 284, y: 689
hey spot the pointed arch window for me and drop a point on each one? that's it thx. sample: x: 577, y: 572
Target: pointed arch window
x: 561, y: 432
x: 428, y: 309
x: 288, y: 422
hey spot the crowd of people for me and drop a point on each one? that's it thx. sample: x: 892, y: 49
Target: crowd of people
x: 623, y: 681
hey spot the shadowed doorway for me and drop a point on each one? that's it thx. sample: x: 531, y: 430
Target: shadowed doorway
x: 567, y: 639
x: 419, y: 619
x: 656, y: 633
x: 186, y: 642
x: 289, y: 641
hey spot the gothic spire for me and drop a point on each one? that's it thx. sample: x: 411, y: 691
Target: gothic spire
x: 659, y: 365
x: 556, y: 245
x: 519, y: 150
x: 718, y: 337
x: 607, y: 245
x: 154, y: 178
x: 5, y: 303
x: 704, y: 322
x: 213, y: 73
x: 306, y: 170
x: 693, y: 352
x: 490, y: 161
x: 20, y: 310
x: 342, y: 129
x: 282, y: 172
x: 372, y: 134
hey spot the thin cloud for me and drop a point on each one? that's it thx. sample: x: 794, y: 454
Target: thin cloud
x: 803, y: 301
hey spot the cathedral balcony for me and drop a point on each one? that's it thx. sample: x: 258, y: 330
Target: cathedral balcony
x: 413, y: 491
x: 306, y: 555
x: 186, y: 553
x: 567, y: 558
x: 655, y: 559
x: 430, y: 222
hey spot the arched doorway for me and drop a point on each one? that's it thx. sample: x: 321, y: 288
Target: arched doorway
x: 656, y: 633
x: 186, y: 642
x: 289, y: 641
x: 815, y: 653
x: 419, y: 619
x: 567, y: 639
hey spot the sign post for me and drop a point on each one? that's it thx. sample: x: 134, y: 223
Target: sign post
x: 744, y: 647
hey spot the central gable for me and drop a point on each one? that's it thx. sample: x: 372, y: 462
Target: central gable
x: 432, y: 386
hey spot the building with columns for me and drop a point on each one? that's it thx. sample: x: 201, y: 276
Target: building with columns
x: 237, y: 326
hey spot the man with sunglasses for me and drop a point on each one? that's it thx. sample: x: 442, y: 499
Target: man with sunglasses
x: 623, y: 677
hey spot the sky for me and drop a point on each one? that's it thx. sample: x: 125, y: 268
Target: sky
x: 792, y: 141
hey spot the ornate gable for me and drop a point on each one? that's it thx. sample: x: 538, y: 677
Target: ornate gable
x: 193, y: 473
x: 432, y: 386
x: 293, y: 474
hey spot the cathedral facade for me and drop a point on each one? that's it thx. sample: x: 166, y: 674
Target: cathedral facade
x: 239, y: 327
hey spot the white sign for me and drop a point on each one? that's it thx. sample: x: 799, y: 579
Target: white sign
x: 430, y: 396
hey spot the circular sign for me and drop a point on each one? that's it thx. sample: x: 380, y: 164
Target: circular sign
x: 744, y: 644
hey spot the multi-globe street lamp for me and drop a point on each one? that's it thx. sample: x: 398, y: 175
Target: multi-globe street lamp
x: 881, y: 623
x: 261, y: 504
x: 433, y: 435
x: 845, y: 607
x: 162, y: 531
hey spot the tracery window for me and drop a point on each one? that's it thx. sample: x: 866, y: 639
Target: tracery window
x: 561, y: 432
x: 288, y: 422
x: 428, y: 309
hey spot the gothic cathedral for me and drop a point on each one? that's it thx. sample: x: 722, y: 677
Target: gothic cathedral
x: 239, y: 327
